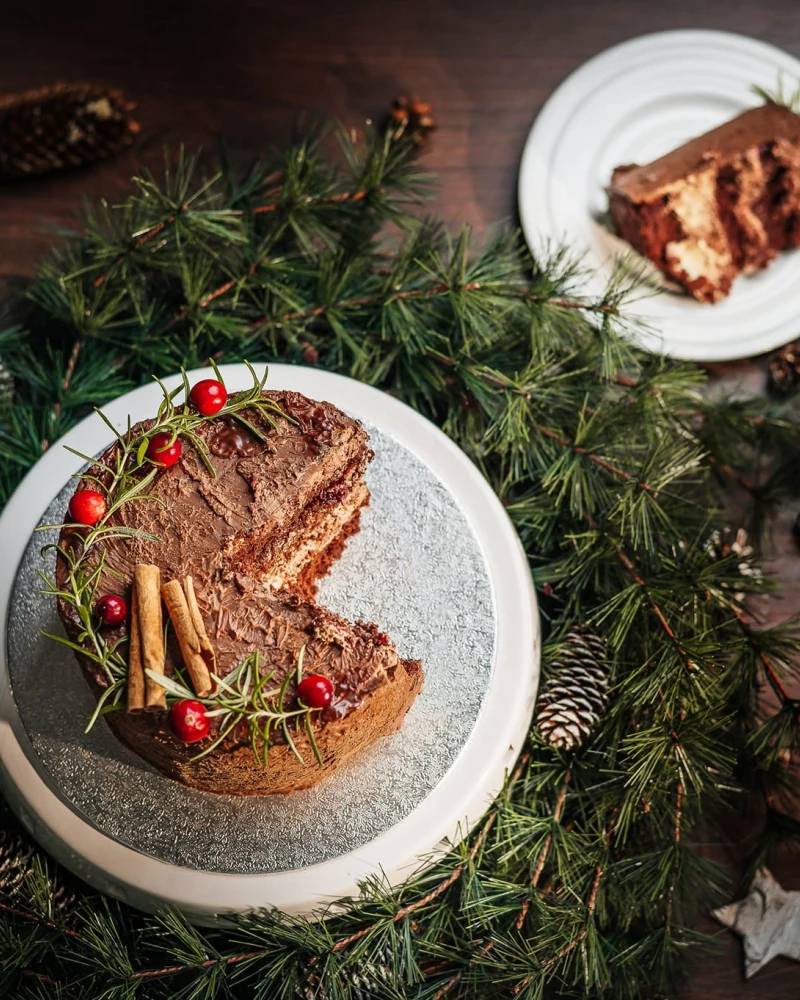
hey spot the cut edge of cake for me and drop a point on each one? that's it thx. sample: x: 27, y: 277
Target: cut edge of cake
x: 723, y: 204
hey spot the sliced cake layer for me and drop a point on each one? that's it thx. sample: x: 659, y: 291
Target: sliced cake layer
x: 723, y: 204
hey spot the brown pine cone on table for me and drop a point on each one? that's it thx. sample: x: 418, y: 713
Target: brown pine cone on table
x: 65, y: 125
x: 784, y: 368
x: 412, y: 118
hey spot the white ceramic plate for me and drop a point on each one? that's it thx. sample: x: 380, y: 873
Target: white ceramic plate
x: 631, y: 104
x: 448, y: 811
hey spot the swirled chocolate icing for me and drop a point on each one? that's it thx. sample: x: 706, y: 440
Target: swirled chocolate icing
x: 253, y: 537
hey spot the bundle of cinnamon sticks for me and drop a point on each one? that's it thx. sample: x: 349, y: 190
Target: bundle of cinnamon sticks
x: 147, y: 637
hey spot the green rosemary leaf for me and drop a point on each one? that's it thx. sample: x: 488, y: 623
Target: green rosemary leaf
x: 254, y: 736
x: 110, y: 692
x: 250, y: 426
x: 64, y: 641
x: 171, y: 686
x: 141, y: 451
x: 101, y: 485
x: 216, y: 371
x: 124, y: 531
x: 134, y: 489
x: 257, y: 382
x: 202, y: 450
x: 51, y: 590
x: 108, y: 424
x: 266, y: 742
x: 165, y: 392
x: 288, y: 737
x: 223, y: 685
x: 89, y: 459
x: 312, y: 738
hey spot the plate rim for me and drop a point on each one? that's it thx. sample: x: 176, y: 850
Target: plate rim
x: 455, y: 804
x: 533, y: 173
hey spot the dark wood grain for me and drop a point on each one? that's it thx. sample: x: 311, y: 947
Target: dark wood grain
x: 246, y: 70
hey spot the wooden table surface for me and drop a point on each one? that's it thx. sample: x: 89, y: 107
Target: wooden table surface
x: 246, y: 69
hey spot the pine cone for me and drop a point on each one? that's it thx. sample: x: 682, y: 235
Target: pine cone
x: 16, y: 860
x: 784, y: 368
x: 18, y: 863
x: 412, y: 118
x: 66, y: 125
x: 573, y: 699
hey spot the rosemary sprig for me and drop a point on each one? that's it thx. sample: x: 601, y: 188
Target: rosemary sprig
x: 245, y: 695
x: 785, y: 94
x: 123, y: 479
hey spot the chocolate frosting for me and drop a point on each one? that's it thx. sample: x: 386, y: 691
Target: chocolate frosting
x: 227, y: 532
x: 230, y: 439
x: 765, y: 124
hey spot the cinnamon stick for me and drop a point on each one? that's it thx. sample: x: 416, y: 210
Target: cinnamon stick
x: 188, y: 639
x: 206, y: 649
x: 135, y: 667
x: 148, y: 595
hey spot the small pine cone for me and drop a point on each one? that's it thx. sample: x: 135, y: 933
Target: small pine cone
x: 573, y: 698
x: 65, y: 899
x: 19, y: 861
x: 784, y: 368
x: 66, y: 125
x: 16, y: 860
x: 412, y: 119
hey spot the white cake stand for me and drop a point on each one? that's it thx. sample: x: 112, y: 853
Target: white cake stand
x: 444, y: 816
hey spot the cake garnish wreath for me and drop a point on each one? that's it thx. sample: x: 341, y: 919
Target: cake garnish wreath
x: 244, y: 695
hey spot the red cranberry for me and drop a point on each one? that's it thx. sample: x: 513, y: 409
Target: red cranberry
x: 163, y: 450
x: 315, y: 691
x: 87, y: 507
x: 208, y: 396
x: 189, y: 721
x: 112, y: 609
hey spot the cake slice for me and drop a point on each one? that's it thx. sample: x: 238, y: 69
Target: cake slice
x: 721, y: 205
x: 257, y: 506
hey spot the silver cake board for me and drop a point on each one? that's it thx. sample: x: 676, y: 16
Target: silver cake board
x: 437, y: 564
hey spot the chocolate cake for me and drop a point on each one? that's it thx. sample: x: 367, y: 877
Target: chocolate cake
x: 723, y: 204
x: 256, y: 508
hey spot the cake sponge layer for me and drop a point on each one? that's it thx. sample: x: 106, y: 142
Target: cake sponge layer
x: 725, y: 203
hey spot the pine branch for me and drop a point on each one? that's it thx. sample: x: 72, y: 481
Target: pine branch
x: 676, y: 836
x: 418, y: 904
x: 668, y: 630
x: 19, y: 914
x: 65, y: 384
x: 770, y: 671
